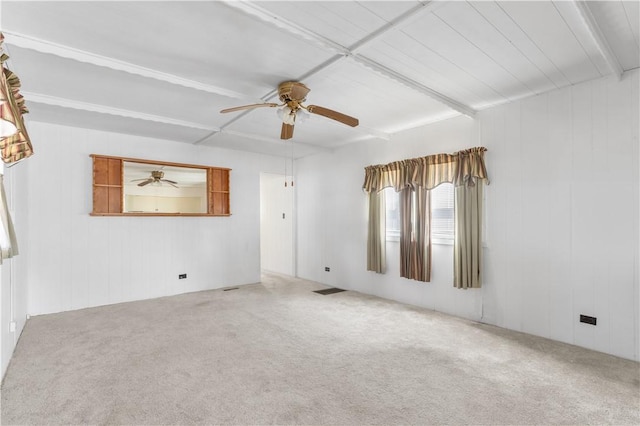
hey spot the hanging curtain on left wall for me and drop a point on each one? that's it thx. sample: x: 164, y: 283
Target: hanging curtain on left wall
x: 8, y: 240
x: 15, y: 144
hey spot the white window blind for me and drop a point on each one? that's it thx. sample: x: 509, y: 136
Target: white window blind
x: 442, y: 198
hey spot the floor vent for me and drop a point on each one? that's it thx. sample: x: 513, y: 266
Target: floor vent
x: 229, y: 289
x: 329, y: 291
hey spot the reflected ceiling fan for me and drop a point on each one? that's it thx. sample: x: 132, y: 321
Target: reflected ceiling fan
x: 293, y: 94
x: 156, y: 176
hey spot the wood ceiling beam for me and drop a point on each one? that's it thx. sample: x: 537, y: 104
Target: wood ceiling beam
x: 599, y: 38
x: 62, y: 51
x: 103, y: 109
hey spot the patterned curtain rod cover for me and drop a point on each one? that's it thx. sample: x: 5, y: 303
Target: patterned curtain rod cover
x: 461, y: 168
x: 15, y: 144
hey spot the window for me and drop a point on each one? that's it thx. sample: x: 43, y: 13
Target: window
x: 392, y: 201
x: 442, y: 198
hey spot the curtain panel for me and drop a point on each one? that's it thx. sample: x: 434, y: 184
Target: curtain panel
x: 376, y: 237
x: 415, y: 234
x: 467, y: 244
x: 414, y: 178
x: 8, y: 240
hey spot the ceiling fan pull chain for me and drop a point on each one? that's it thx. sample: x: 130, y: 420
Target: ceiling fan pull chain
x: 285, y: 172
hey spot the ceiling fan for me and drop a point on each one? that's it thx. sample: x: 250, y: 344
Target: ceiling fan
x: 156, y: 176
x: 293, y: 94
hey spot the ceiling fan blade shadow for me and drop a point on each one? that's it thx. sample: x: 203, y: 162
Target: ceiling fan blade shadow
x: 240, y: 108
x: 334, y: 115
x: 287, y: 131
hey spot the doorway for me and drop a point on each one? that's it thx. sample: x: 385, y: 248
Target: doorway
x: 277, y: 248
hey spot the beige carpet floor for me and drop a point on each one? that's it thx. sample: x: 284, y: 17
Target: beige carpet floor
x: 277, y: 353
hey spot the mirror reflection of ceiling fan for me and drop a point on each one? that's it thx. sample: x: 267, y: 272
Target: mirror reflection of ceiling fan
x: 157, y: 176
x: 293, y: 94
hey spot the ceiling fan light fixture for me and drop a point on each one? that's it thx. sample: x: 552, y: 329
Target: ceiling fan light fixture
x: 287, y: 115
x: 302, y: 115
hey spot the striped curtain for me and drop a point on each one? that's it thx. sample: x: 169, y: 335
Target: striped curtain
x: 413, y: 179
x: 8, y: 240
x: 467, y: 245
x: 376, y: 237
x: 415, y: 233
x: 15, y: 144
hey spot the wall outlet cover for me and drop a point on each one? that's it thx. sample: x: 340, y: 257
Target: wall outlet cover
x: 588, y: 320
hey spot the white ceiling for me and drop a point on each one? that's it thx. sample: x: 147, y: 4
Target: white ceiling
x: 165, y: 69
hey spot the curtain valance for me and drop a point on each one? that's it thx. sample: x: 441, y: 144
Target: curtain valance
x: 15, y: 144
x: 461, y: 168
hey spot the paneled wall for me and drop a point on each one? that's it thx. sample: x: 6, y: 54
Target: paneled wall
x: 561, y: 216
x: 13, y: 291
x: 76, y: 260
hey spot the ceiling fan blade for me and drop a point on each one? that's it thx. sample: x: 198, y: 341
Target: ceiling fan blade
x: 334, y: 115
x: 287, y: 131
x: 240, y: 108
x: 146, y: 182
x: 137, y: 180
x: 170, y: 181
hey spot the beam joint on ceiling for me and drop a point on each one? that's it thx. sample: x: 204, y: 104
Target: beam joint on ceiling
x: 406, y: 17
x: 599, y: 38
x: 102, y: 109
x: 62, y: 51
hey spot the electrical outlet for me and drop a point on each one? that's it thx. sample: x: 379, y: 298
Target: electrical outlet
x: 182, y: 276
x: 12, y: 327
x: 588, y: 320
x: 327, y: 269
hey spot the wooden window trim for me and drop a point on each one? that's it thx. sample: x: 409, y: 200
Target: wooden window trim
x: 218, y: 198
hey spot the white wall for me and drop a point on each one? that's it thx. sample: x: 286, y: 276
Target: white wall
x: 76, y: 260
x: 561, y: 216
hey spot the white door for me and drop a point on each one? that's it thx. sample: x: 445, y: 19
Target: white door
x: 276, y: 224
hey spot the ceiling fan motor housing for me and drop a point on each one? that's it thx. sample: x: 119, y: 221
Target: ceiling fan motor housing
x: 292, y: 91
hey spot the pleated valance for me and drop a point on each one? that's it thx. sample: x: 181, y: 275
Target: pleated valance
x: 460, y: 168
